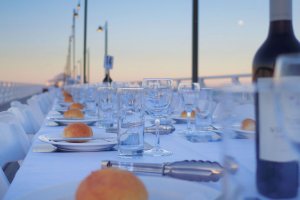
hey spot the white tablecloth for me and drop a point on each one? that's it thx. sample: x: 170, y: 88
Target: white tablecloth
x: 42, y: 170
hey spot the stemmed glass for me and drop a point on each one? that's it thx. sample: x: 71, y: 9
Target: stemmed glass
x: 189, y: 92
x: 157, y: 100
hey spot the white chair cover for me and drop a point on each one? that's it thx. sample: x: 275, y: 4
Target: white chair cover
x: 4, y: 184
x: 30, y: 121
x: 14, y: 143
x: 36, y: 110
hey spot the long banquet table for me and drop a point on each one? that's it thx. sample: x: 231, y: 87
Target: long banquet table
x: 44, y: 170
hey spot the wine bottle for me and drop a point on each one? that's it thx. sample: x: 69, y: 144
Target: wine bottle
x: 277, y: 170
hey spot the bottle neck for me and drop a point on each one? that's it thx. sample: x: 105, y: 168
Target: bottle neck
x: 281, y: 18
x: 281, y: 27
x: 280, y: 10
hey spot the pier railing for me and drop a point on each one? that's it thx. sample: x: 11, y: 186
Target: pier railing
x: 12, y: 91
x: 219, y: 80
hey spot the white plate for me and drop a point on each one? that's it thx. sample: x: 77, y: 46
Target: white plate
x: 159, y: 188
x: 64, y: 121
x: 181, y: 120
x: 60, y: 109
x: 92, y: 145
x: 64, y: 104
x: 240, y: 133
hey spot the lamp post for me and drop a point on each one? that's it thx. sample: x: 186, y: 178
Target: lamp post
x: 195, y: 43
x: 68, y: 65
x: 107, y: 77
x: 78, y: 5
x: 75, y: 14
x: 84, y: 40
x: 79, y: 71
x: 88, y: 64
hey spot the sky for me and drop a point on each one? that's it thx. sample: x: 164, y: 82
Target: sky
x: 147, y: 38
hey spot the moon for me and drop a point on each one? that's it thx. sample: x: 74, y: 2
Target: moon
x: 240, y: 22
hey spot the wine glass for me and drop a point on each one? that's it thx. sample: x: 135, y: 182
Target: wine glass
x: 157, y: 100
x: 189, y: 92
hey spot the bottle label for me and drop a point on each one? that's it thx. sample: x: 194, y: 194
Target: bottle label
x: 272, y: 143
x: 280, y: 10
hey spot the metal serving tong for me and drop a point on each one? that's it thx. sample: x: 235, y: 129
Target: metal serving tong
x: 190, y: 170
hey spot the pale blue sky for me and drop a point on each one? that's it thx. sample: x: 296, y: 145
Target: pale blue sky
x: 148, y: 38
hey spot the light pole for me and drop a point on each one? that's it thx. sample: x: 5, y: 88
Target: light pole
x: 88, y: 64
x: 107, y: 77
x: 79, y: 71
x: 195, y: 43
x: 68, y: 65
x: 84, y: 40
x: 75, y: 14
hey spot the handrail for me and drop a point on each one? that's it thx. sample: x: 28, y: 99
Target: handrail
x: 233, y: 78
x: 12, y: 90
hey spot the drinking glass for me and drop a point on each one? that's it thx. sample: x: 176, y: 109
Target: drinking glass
x: 130, y: 122
x: 157, y: 100
x: 189, y: 92
x: 89, y: 96
x: 204, y: 108
x: 238, y: 155
x: 107, y: 105
x: 287, y: 104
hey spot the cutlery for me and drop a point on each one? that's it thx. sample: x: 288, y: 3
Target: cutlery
x: 190, y: 170
x: 109, y: 139
x: 163, y: 129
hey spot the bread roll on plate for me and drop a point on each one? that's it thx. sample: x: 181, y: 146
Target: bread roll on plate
x: 184, y: 114
x: 78, y: 106
x: 111, y: 184
x: 68, y: 99
x: 66, y: 94
x: 73, y: 114
x: 78, y: 130
x: 248, y: 125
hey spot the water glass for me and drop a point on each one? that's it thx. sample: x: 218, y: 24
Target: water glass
x: 204, y: 109
x: 107, y: 106
x: 238, y: 155
x: 130, y: 122
x: 287, y: 104
x: 89, y: 96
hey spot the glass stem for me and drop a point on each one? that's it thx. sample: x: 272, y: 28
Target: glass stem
x: 157, y: 124
x: 189, y: 121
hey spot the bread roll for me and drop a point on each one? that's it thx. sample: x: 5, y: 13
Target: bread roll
x: 76, y: 106
x: 184, y: 114
x: 248, y: 125
x: 73, y: 113
x: 77, y: 130
x: 66, y: 94
x: 68, y: 99
x: 111, y: 184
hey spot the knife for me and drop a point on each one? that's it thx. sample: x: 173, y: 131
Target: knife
x: 163, y: 129
x: 191, y: 170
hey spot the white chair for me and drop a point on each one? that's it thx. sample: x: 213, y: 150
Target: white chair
x: 4, y: 184
x: 26, y: 116
x: 36, y: 110
x: 24, y: 119
x: 14, y: 143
